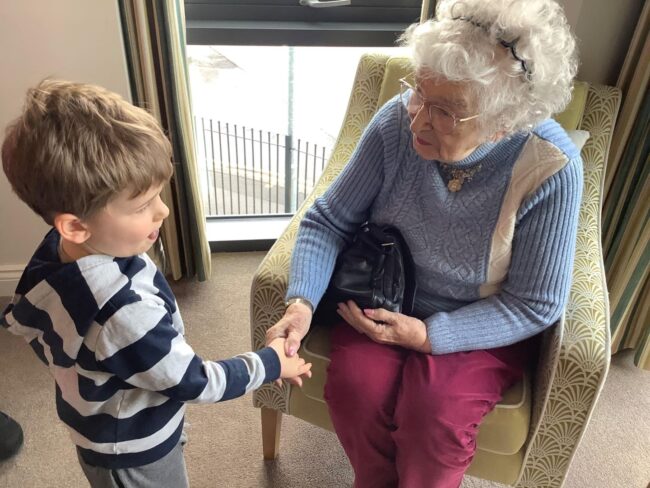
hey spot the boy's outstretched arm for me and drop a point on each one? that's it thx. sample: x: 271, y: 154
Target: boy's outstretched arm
x: 140, y: 345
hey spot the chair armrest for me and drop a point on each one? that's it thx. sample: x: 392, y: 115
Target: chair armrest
x: 576, y: 355
x: 271, y: 278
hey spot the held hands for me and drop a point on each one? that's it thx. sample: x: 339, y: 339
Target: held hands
x: 293, y: 327
x: 291, y: 368
x: 387, y: 327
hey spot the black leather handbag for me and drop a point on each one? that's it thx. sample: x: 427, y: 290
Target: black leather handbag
x: 375, y: 271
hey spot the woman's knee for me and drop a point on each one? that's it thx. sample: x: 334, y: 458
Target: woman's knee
x: 438, y: 409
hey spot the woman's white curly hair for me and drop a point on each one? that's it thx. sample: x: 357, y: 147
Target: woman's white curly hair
x: 515, y: 88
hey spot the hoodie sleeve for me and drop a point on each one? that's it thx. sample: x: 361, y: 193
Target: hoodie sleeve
x: 140, y: 345
x: 21, y: 318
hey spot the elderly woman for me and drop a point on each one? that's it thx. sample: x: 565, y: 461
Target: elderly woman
x: 485, y: 189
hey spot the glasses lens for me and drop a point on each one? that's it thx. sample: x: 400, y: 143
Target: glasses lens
x: 442, y: 121
x: 410, y: 97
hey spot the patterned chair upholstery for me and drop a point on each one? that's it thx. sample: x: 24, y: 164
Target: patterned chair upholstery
x: 530, y: 437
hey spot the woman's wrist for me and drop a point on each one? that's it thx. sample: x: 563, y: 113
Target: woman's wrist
x: 299, y: 312
x: 300, y: 301
x: 425, y: 345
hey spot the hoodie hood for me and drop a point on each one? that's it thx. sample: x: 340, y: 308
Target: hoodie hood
x: 53, y: 306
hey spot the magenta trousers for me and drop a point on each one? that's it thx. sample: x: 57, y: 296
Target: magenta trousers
x: 410, y: 419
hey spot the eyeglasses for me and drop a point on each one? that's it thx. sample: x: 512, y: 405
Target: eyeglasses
x: 442, y: 120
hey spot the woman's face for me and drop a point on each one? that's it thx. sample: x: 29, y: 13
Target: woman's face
x: 454, y: 98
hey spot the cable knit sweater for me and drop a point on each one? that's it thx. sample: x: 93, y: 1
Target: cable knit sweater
x: 493, y: 260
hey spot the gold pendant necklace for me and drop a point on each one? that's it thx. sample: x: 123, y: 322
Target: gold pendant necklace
x: 457, y: 177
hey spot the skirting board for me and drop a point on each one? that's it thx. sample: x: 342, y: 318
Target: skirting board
x: 9, y: 276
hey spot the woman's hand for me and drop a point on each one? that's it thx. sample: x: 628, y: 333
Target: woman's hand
x: 387, y: 327
x: 293, y: 326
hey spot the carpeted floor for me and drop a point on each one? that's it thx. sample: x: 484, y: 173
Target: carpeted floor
x: 225, y: 439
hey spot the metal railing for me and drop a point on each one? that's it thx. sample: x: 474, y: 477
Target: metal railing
x: 247, y: 171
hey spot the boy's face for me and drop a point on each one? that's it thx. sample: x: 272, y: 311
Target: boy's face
x: 127, y: 226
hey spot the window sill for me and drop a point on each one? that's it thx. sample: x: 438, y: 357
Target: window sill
x: 245, y: 233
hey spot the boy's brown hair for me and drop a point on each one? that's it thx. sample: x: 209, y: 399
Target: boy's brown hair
x: 77, y: 146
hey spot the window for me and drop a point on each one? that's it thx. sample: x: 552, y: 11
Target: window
x: 278, y: 22
x: 266, y: 119
x: 270, y: 83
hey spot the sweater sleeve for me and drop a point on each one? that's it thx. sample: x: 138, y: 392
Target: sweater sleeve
x: 139, y: 345
x: 334, y: 217
x: 31, y: 335
x: 537, y: 286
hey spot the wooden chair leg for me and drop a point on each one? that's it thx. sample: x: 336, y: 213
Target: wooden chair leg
x: 271, y: 424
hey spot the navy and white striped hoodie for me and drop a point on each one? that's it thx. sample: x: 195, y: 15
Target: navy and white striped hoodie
x: 111, y: 333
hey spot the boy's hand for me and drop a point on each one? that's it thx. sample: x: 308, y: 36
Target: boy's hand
x: 293, y: 367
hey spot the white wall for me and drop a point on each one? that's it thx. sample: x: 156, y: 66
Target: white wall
x: 78, y: 40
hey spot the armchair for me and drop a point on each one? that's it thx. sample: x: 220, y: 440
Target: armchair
x: 530, y: 437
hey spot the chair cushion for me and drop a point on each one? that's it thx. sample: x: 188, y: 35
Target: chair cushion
x: 501, y: 468
x: 503, y: 431
x: 571, y: 117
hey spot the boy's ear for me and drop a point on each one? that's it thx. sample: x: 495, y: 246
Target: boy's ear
x: 71, y: 228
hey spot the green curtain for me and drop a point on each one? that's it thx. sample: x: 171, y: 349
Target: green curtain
x: 154, y: 38
x: 626, y: 213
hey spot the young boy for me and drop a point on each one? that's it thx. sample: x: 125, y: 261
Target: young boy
x: 93, y: 305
